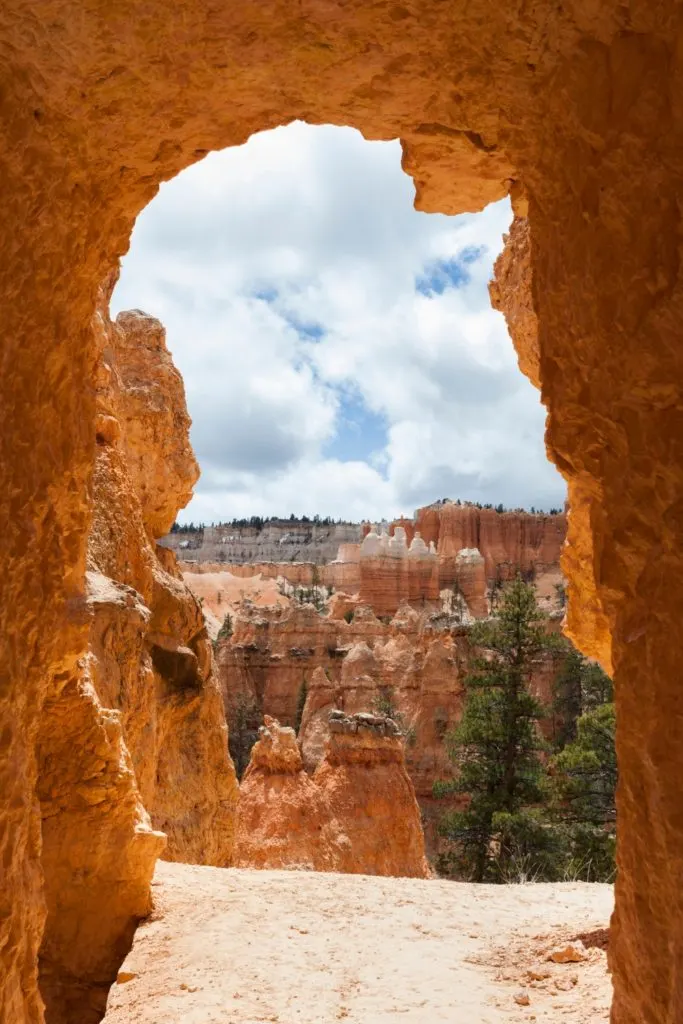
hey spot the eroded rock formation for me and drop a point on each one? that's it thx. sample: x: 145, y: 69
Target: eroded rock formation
x: 391, y: 572
x: 132, y: 748
x: 573, y: 110
x: 357, y: 814
x: 276, y: 540
x: 509, y: 542
x: 412, y: 666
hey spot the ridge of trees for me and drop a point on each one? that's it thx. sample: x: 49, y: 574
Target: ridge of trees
x: 258, y: 523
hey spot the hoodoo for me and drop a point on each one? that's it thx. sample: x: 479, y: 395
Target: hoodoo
x: 357, y: 814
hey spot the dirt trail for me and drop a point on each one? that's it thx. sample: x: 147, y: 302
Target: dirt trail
x: 249, y: 947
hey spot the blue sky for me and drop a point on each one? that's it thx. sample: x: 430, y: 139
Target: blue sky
x: 339, y: 351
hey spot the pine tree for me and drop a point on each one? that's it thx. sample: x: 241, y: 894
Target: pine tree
x: 582, y: 777
x: 580, y: 686
x: 224, y: 633
x: 300, y: 704
x: 243, y: 723
x: 496, y: 746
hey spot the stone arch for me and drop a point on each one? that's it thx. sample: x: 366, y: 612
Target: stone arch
x: 574, y: 109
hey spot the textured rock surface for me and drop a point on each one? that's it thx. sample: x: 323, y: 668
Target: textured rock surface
x: 272, y: 652
x: 356, y: 814
x: 470, y: 576
x: 391, y: 571
x: 170, y: 701
x: 278, y: 812
x: 280, y: 540
x: 350, y: 666
x: 133, y: 744
x: 572, y: 108
x: 511, y: 293
x: 508, y: 541
x: 415, y: 663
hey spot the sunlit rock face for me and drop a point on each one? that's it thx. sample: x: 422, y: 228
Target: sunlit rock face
x: 471, y: 582
x: 356, y: 814
x: 457, y: 548
x: 133, y: 743
x: 509, y: 542
x: 413, y: 665
x: 571, y: 109
x: 391, y: 572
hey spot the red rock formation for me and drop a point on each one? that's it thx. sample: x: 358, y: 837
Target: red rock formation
x: 137, y: 731
x: 344, y: 572
x: 357, y: 814
x: 391, y: 573
x: 419, y: 671
x: 341, y: 605
x: 323, y: 696
x: 572, y: 110
x: 272, y: 652
x: 407, y: 525
x: 470, y: 581
x: 510, y: 292
x: 509, y: 541
x: 277, y: 812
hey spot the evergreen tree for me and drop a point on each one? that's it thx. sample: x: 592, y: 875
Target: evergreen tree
x: 300, y: 704
x: 580, y: 686
x: 496, y: 746
x: 225, y: 632
x: 244, y: 722
x: 582, y: 777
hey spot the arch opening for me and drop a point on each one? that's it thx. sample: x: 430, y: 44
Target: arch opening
x: 443, y: 268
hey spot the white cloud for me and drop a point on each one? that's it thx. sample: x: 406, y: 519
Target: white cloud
x: 285, y: 272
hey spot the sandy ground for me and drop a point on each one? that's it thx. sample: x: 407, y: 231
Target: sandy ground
x: 249, y: 947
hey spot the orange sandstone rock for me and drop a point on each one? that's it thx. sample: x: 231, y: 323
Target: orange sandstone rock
x: 357, y: 814
x: 508, y: 541
x: 132, y: 743
x: 391, y: 572
x: 573, y: 109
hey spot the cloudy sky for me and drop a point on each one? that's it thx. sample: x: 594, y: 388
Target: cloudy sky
x: 339, y: 351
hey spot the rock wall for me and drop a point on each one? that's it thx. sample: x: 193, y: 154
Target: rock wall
x: 573, y: 110
x: 386, y: 569
x: 451, y: 546
x: 416, y: 663
x: 357, y: 814
x: 342, y: 572
x: 276, y: 541
x: 391, y: 572
x: 132, y: 749
x: 508, y: 541
x: 273, y: 651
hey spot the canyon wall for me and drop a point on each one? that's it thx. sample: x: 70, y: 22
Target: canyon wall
x: 132, y: 749
x: 391, y: 572
x: 413, y: 665
x: 448, y: 545
x: 356, y: 814
x: 278, y: 540
x: 342, y: 572
x: 508, y: 541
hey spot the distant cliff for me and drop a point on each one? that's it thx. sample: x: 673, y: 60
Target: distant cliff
x: 257, y: 540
